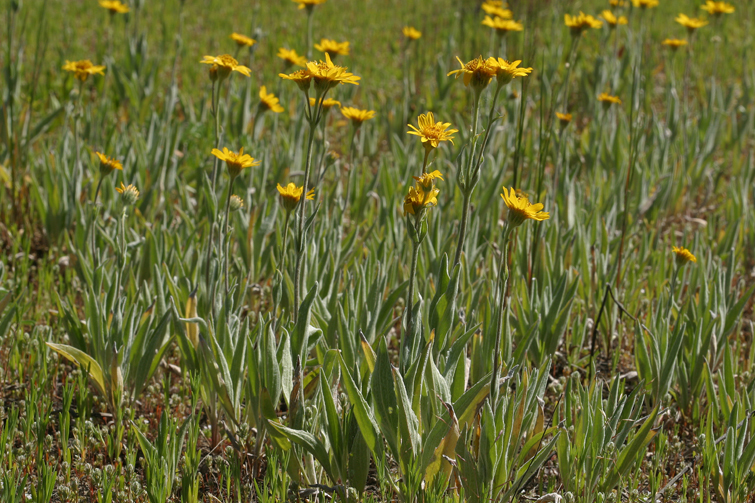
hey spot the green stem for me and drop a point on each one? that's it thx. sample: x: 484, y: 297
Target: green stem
x: 94, y: 221
x: 503, y: 281
x: 285, y: 242
x: 208, y: 259
x: 225, y: 233
x: 412, y: 281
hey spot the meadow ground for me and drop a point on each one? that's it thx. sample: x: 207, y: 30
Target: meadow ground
x: 540, y: 292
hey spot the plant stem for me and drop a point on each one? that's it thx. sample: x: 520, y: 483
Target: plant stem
x: 214, y: 177
x: 503, y: 280
x: 285, y: 242
x: 412, y: 281
x: 225, y: 233
x: 94, y: 220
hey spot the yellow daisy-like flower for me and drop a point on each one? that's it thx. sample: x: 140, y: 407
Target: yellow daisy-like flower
x: 114, y: 6
x: 432, y: 133
x: 327, y: 103
x: 356, y: 115
x: 478, y: 72
x: 502, y: 26
x: 645, y: 4
x: 497, y: 9
x: 691, y: 23
x: 612, y: 20
x: 223, y: 65
x: 608, y: 99
x: 328, y: 75
x: 427, y: 180
x: 717, y: 8
x: 83, y: 69
x: 674, y: 43
x: 242, y: 40
x: 417, y: 199
x: 520, y: 208
x: 268, y: 101
x: 129, y: 193
x: 506, y: 72
x: 564, y: 118
x: 235, y: 162
x: 683, y: 255
x: 411, y: 33
x: 578, y: 24
x: 617, y: 3
x: 291, y: 58
x: 303, y: 79
x: 108, y: 164
x: 332, y: 47
x: 291, y: 194
x: 308, y: 4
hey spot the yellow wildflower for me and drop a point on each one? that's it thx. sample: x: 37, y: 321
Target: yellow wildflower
x: 235, y: 162
x: 617, y: 3
x: 332, y: 47
x: 427, y: 180
x: 223, y: 65
x: 303, y: 78
x: 114, y: 6
x: 291, y: 58
x: 327, y: 103
x: 83, y: 69
x: 608, y: 99
x: 645, y: 4
x: 242, y: 40
x: 108, y: 164
x: 674, y: 43
x: 578, y: 24
x: 520, y: 208
x: 683, y: 255
x: 130, y: 194
x: 432, y: 133
x: 268, y: 101
x: 356, y: 115
x: 308, y: 4
x: 328, y: 75
x: 691, y: 23
x: 417, y: 199
x: 478, y: 72
x: 717, y: 8
x: 506, y: 72
x: 236, y: 203
x: 497, y: 9
x: 411, y: 32
x: 612, y: 20
x: 564, y: 118
x: 291, y: 194
x: 502, y: 26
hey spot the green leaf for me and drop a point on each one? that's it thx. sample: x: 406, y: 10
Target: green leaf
x: 84, y: 361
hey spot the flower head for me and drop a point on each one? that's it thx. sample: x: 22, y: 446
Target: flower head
x: 497, y: 9
x: 235, y: 162
x: 608, y: 99
x: 108, y: 164
x: 356, y: 115
x: 236, y: 203
x: 291, y: 194
x: 617, y: 3
x: 578, y: 24
x: 308, y: 4
x: 612, y: 20
x: 291, y: 58
x: 691, y: 23
x: 717, y: 8
x: 332, y: 47
x: 327, y: 103
x: 432, y: 133
x: 242, y: 40
x: 520, y: 208
x: 418, y: 199
x: 564, y: 118
x: 502, y: 26
x: 506, y: 72
x: 683, y: 255
x: 427, y: 180
x: 328, y: 75
x: 303, y: 79
x: 478, y: 72
x: 411, y: 33
x: 129, y: 194
x: 674, y: 43
x: 268, y: 101
x: 223, y: 65
x: 83, y: 69
x: 114, y: 6
x: 645, y: 4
